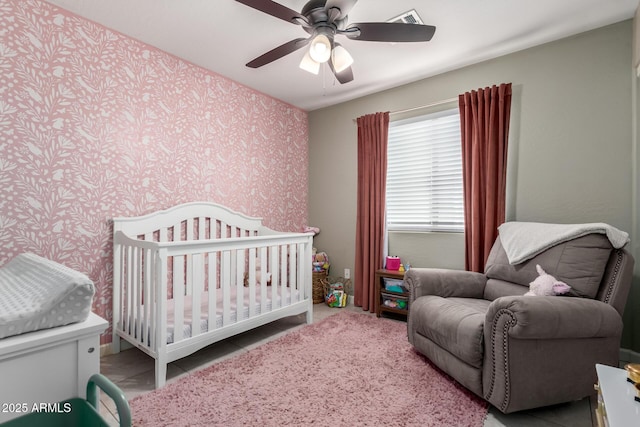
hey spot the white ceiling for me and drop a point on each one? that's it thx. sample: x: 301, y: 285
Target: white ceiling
x: 223, y: 35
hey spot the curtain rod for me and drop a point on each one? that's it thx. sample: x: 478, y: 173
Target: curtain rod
x: 433, y: 104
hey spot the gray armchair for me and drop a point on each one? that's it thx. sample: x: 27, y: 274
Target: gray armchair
x: 522, y: 352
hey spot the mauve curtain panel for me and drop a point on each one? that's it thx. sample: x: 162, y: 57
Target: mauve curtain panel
x: 484, y: 122
x: 373, y: 133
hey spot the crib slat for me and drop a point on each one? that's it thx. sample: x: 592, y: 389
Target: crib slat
x: 178, y: 230
x: 275, y: 278
x: 239, y: 281
x: 160, y: 330
x: 117, y: 286
x: 145, y: 299
x: 125, y: 288
x: 138, y: 295
x: 283, y: 275
x: 121, y: 289
x: 190, y: 231
x: 189, y: 275
x: 159, y: 295
x: 252, y: 282
x: 234, y: 263
x: 178, y: 297
x: 286, y: 263
x: 306, y: 277
x: 263, y: 282
x: 226, y: 288
x: 301, y: 271
x: 293, y: 274
x: 129, y: 305
x: 189, y: 235
x: 202, y: 228
x: 146, y: 296
x: 212, y: 287
x: 197, y: 267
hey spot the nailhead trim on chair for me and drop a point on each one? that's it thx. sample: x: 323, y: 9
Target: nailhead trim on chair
x: 505, y: 350
x: 614, y: 276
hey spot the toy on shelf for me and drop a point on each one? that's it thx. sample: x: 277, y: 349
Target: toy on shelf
x: 393, y: 263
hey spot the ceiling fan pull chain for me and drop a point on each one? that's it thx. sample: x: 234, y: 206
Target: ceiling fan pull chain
x: 324, y: 86
x: 334, y: 78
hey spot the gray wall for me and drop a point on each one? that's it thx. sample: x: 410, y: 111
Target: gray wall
x: 570, y: 148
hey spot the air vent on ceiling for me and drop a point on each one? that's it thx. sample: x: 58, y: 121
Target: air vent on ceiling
x: 410, y: 17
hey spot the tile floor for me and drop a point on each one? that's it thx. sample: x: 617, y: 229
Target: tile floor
x: 133, y: 372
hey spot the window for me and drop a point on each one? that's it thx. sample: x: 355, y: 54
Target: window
x: 424, y: 174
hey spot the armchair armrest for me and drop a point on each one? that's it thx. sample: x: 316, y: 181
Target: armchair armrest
x: 444, y: 283
x: 549, y: 344
x: 555, y: 317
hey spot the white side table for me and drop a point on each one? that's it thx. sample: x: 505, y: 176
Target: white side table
x: 616, y: 397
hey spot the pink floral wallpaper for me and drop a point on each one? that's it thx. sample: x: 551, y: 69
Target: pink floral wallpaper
x: 95, y: 125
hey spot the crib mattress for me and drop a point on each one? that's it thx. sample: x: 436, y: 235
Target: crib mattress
x: 289, y: 295
x: 233, y: 315
x: 37, y: 293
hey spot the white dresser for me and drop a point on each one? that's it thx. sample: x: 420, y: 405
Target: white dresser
x: 49, y: 365
x: 616, y: 404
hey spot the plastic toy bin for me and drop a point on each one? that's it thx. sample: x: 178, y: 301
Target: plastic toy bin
x: 78, y: 412
x: 395, y: 301
x: 394, y: 285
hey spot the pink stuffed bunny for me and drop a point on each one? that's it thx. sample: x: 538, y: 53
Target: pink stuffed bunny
x: 546, y: 284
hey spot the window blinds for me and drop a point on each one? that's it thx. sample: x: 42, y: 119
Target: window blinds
x: 424, y: 173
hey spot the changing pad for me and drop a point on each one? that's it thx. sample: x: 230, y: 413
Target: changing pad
x: 37, y: 293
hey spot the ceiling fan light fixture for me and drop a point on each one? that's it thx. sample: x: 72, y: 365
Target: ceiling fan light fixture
x: 341, y: 59
x: 324, y: 21
x: 320, y: 50
x: 309, y: 64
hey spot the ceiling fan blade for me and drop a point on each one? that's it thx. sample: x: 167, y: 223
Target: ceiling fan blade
x: 344, y: 76
x: 278, y: 52
x: 275, y: 9
x: 389, y: 32
x: 345, y: 6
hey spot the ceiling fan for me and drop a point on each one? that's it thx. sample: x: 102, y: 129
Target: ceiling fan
x: 324, y: 20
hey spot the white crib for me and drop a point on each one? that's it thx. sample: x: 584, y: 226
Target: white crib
x: 195, y: 274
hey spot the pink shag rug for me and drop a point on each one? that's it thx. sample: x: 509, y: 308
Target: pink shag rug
x: 349, y: 369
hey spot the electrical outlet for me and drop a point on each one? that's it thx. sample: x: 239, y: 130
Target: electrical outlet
x: 347, y: 273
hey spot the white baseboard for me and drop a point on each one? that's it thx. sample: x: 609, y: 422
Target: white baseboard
x: 629, y: 356
x: 106, y: 349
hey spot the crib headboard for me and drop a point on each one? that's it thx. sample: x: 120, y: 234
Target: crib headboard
x: 191, y: 221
